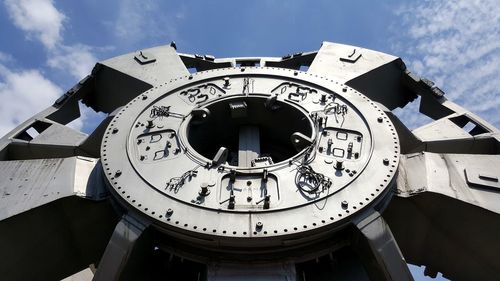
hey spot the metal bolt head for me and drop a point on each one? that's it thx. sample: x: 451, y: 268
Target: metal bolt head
x: 386, y: 161
x: 339, y: 165
x: 323, y: 98
x: 169, y: 212
x: 150, y: 124
x: 344, y: 204
x: 380, y: 119
x: 144, y: 97
x: 118, y: 173
x: 204, y: 189
x: 227, y: 82
x: 115, y: 130
x: 259, y: 225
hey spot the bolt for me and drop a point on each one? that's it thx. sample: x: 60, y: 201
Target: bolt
x: 259, y: 225
x: 170, y: 212
x: 344, y: 89
x: 150, y: 124
x: 227, y: 83
x: 344, y: 204
x: 330, y: 142
x: 380, y: 119
x: 190, y: 77
x: 231, y: 202
x: 386, y: 161
x: 295, y: 73
x: 339, y: 165
x: 115, y: 130
x: 118, y: 173
x: 249, y: 198
x: 323, y: 98
x: 144, y: 97
x: 142, y: 157
x: 204, y: 189
x: 267, y: 200
x: 232, y: 175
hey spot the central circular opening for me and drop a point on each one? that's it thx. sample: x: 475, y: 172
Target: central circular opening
x: 255, y: 131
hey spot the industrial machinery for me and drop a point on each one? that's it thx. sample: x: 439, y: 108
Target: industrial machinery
x: 252, y: 168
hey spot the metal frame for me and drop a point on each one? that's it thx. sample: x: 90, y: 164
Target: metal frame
x: 443, y: 214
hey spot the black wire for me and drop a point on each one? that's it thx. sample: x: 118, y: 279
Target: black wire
x: 310, y: 181
x: 163, y: 111
x: 306, y: 179
x: 176, y: 183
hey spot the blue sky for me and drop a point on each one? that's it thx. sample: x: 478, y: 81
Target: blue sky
x: 47, y: 46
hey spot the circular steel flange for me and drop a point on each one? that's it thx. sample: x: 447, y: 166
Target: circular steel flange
x: 153, y: 167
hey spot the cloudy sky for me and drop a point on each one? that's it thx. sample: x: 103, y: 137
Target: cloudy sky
x: 47, y: 46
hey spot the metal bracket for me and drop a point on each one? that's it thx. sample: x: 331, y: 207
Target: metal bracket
x: 481, y: 178
x: 144, y: 57
x: 352, y: 57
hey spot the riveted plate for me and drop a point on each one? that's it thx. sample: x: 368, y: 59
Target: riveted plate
x: 148, y: 144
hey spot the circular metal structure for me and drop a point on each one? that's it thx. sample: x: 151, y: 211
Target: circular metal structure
x: 325, y: 153
x: 251, y: 168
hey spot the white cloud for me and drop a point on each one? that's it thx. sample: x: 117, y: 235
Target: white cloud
x: 457, y: 45
x: 78, y: 60
x: 39, y: 18
x: 26, y: 92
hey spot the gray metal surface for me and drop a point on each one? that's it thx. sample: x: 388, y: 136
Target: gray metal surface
x: 250, y: 168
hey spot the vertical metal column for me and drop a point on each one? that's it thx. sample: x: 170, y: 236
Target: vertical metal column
x: 122, y: 248
x: 249, y: 145
x: 379, y: 251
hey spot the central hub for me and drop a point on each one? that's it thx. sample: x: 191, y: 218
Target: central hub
x: 262, y: 153
x: 255, y: 130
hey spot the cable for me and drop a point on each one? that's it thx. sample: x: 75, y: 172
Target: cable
x: 176, y: 183
x: 310, y: 181
x: 163, y: 111
x: 306, y: 179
